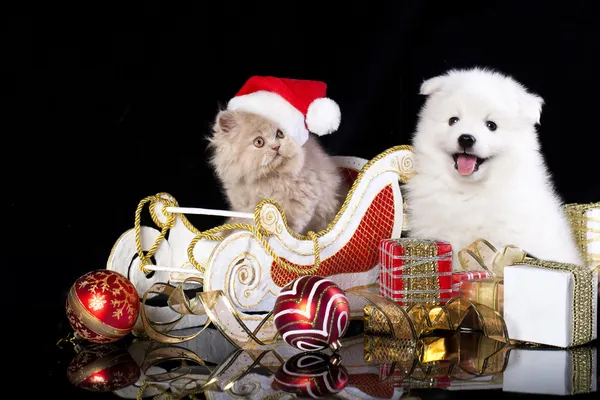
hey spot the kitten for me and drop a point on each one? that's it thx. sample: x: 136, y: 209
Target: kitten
x: 254, y: 159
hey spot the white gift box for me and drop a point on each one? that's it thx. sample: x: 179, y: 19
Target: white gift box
x: 551, y: 303
x: 551, y: 372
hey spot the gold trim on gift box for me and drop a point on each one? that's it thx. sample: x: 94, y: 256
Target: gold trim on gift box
x: 581, y: 360
x: 583, y: 297
x: 576, y: 213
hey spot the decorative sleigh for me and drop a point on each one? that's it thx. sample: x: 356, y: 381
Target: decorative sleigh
x: 251, y: 265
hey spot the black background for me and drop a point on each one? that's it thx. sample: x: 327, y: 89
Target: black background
x: 110, y: 104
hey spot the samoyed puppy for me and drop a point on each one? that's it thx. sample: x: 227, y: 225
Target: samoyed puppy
x: 480, y: 173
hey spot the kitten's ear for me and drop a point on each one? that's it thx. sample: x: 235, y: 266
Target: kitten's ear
x: 225, y: 122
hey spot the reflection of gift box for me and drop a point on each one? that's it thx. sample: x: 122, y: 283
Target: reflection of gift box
x: 585, y: 223
x: 552, y: 372
x: 551, y: 303
x: 415, y: 270
x: 459, y: 277
x: 489, y: 292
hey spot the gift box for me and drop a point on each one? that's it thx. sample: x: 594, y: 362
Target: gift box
x: 551, y: 372
x: 550, y: 303
x: 415, y: 270
x: 488, y: 292
x: 585, y: 223
x: 459, y: 277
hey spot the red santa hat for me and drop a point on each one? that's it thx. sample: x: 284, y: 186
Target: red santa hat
x: 297, y: 106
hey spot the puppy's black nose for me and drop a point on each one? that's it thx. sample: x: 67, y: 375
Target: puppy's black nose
x: 466, y: 141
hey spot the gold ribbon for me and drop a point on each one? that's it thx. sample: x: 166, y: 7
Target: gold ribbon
x: 487, y: 291
x: 481, y: 254
x: 474, y: 354
x: 219, y: 311
x: 381, y: 315
x: 233, y: 368
x: 384, y: 316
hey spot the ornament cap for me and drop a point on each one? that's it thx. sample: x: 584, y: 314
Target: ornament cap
x: 335, y: 359
x: 335, y: 346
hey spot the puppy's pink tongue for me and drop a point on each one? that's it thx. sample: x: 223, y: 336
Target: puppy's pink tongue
x: 466, y: 164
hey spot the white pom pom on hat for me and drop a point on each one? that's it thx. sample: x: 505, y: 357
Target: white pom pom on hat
x: 297, y: 106
x: 323, y: 116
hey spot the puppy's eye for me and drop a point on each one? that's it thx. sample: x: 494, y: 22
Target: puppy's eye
x: 491, y: 125
x: 279, y: 134
x: 452, y: 121
x: 259, y: 142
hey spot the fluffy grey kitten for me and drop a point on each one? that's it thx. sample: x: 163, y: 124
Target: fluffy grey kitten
x: 255, y: 159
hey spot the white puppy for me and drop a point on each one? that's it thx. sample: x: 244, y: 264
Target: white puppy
x: 480, y: 173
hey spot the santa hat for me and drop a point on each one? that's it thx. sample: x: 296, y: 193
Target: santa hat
x: 297, y: 106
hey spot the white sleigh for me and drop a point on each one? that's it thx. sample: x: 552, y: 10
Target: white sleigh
x: 252, y: 269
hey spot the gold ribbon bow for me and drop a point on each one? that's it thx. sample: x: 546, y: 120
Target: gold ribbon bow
x: 481, y: 254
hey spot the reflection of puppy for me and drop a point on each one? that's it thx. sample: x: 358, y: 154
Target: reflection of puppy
x: 480, y: 173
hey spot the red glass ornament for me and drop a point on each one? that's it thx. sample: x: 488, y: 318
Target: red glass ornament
x: 311, y: 374
x: 103, y: 368
x: 102, y: 306
x: 311, y: 313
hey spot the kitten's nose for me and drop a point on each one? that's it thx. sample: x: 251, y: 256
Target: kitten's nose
x: 276, y: 148
x: 466, y: 141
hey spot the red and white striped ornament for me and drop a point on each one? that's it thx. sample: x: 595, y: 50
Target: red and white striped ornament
x: 311, y: 313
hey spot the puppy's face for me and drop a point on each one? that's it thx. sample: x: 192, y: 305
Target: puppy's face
x: 473, y: 120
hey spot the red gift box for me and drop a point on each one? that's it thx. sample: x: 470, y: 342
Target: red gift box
x: 415, y: 270
x: 459, y: 277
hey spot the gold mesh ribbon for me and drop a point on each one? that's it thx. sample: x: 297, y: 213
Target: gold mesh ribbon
x: 386, y: 317
x: 219, y: 311
x: 468, y: 355
x: 486, y: 291
x: 584, y: 231
x: 481, y: 254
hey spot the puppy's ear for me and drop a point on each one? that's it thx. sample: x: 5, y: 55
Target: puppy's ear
x: 225, y: 122
x: 531, y: 106
x: 432, y: 85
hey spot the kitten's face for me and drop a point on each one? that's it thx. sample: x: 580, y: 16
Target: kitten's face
x: 248, y: 146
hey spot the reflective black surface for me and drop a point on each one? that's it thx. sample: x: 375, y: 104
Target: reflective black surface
x: 85, y: 370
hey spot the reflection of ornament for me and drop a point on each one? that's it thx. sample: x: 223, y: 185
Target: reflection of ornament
x: 311, y: 374
x: 102, y: 306
x: 103, y: 368
x: 311, y: 313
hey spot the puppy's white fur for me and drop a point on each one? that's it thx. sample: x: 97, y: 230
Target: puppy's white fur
x: 510, y: 199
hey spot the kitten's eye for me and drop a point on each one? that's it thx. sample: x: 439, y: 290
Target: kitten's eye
x: 491, y: 125
x: 259, y: 142
x: 452, y: 121
x: 279, y: 134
